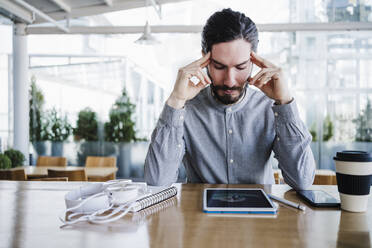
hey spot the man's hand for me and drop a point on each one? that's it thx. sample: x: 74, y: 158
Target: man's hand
x: 184, y: 89
x: 270, y: 80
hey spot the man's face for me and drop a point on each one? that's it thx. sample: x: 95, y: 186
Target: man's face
x: 229, y: 69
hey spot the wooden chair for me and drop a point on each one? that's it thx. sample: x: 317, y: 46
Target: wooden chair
x: 72, y: 175
x: 17, y: 175
x: 51, y: 161
x: 63, y: 179
x: 322, y: 177
x: 277, y: 177
x: 325, y: 177
x: 325, y: 180
x: 102, y: 178
x: 92, y: 162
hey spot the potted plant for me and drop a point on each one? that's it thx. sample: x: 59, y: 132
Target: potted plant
x: 313, y: 132
x: 120, y: 129
x: 319, y: 141
x: 86, y: 132
x: 327, y: 129
x: 364, y: 124
x: 16, y: 157
x: 86, y: 126
x: 363, y: 134
x: 38, y: 136
x: 5, y: 162
x: 58, y: 130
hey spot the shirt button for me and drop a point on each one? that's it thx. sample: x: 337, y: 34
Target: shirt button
x: 179, y: 145
x: 181, y: 117
x: 228, y: 110
x: 231, y: 161
x: 230, y: 131
x: 276, y: 113
x: 278, y: 139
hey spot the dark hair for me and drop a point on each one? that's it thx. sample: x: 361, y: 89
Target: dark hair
x: 228, y: 25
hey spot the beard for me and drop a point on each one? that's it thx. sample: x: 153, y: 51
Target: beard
x: 227, y: 98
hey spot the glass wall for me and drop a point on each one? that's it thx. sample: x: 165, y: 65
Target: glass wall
x: 329, y: 78
x: 4, y: 102
x: 329, y: 72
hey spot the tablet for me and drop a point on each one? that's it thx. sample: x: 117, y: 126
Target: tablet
x: 319, y: 198
x: 237, y: 200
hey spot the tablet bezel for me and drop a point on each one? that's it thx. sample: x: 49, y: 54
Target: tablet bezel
x: 245, y: 210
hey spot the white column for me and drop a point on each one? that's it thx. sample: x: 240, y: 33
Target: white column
x: 20, y: 90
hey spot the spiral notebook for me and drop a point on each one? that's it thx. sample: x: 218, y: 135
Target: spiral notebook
x: 153, y: 199
x: 141, y: 216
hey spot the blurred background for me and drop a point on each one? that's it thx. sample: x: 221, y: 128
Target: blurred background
x: 99, y: 88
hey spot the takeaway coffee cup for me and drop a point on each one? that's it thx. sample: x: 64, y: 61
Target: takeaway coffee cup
x: 354, y: 178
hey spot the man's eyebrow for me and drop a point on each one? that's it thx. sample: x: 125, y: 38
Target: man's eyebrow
x: 243, y: 63
x: 219, y: 63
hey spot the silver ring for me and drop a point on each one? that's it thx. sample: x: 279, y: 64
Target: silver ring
x: 194, y: 80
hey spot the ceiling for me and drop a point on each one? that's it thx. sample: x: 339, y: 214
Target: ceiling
x: 46, y: 12
x: 37, y: 11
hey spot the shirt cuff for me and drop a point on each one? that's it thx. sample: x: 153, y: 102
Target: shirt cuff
x: 286, y: 112
x: 173, y: 117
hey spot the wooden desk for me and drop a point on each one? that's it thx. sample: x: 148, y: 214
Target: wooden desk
x: 41, y: 171
x: 29, y: 218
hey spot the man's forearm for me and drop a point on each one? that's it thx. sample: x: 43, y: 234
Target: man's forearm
x: 292, y: 147
x: 175, y: 102
x: 166, y: 148
x: 160, y: 169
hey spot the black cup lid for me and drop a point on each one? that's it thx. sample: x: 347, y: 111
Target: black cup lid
x: 354, y: 156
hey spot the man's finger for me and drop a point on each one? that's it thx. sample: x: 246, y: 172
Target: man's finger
x: 197, y: 78
x: 255, y: 77
x: 207, y: 79
x: 261, y: 81
x: 265, y: 78
x: 203, y: 59
x: 259, y: 74
x: 259, y: 61
x: 201, y: 77
x: 205, y: 63
x: 201, y: 85
x: 258, y: 84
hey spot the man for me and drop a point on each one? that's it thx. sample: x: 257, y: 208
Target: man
x: 226, y: 132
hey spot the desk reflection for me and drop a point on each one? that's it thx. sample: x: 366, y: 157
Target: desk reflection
x: 353, y: 230
x: 166, y: 225
x: 20, y: 202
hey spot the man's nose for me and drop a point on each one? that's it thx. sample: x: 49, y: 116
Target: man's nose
x: 229, y: 79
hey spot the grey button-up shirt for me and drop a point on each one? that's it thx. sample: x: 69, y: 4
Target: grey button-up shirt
x: 225, y: 144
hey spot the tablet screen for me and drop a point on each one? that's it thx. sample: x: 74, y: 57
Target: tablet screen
x: 318, y: 196
x: 236, y: 199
